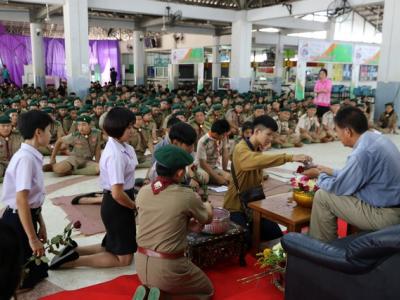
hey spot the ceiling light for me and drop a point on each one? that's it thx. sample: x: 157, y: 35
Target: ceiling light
x: 269, y: 29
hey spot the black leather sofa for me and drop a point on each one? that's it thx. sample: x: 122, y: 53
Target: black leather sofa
x: 364, y: 266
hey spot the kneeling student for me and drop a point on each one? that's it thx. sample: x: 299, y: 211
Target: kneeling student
x: 24, y: 193
x: 166, y: 213
x: 117, y: 177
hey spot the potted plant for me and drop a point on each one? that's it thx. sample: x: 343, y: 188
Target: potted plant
x: 304, y: 188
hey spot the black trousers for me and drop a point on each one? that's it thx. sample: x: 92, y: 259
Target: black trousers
x: 269, y: 230
x: 321, y: 110
x: 36, y: 273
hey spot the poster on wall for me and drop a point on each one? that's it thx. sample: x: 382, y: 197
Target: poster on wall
x: 301, y: 79
x: 187, y: 56
x: 321, y: 51
x: 366, y: 55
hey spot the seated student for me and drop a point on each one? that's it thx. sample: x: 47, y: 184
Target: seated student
x: 366, y: 192
x: 56, y: 132
x: 10, y: 142
x: 245, y: 133
x: 309, y: 128
x: 166, y: 140
x: 387, y: 122
x: 184, y: 136
x: 328, y: 122
x: 212, y: 153
x: 141, y: 142
x: 199, y: 122
x: 249, y: 161
x: 234, y: 117
x: 85, y: 145
x: 167, y: 212
x: 10, y: 252
x: 285, y: 137
x: 24, y: 193
x: 117, y: 177
x: 259, y: 110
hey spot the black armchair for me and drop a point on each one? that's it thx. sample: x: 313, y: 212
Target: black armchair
x: 364, y: 266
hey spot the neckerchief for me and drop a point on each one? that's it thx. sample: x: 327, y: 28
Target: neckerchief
x: 160, y: 183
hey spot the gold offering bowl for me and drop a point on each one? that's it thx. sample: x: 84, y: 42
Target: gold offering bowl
x: 303, y: 199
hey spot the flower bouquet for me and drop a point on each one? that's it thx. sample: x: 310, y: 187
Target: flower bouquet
x: 304, y: 188
x: 275, y: 261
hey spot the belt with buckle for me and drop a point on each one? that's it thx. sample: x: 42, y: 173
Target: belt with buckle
x: 152, y: 253
x: 34, y: 211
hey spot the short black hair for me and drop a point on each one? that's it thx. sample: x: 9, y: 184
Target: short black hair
x: 10, y: 257
x: 324, y: 70
x: 172, y: 121
x: 247, y: 125
x: 220, y: 126
x: 29, y: 121
x: 265, y: 121
x: 183, y: 133
x: 117, y: 120
x: 353, y: 118
x: 164, y: 171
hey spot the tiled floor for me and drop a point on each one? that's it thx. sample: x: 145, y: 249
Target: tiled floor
x: 332, y: 154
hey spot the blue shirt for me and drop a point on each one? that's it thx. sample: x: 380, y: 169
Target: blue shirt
x: 371, y: 174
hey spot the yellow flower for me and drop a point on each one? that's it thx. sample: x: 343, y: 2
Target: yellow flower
x: 267, y: 252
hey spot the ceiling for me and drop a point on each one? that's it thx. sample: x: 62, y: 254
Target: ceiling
x: 106, y: 24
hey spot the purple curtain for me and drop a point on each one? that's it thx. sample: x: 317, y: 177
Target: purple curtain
x: 106, y: 54
x: 15, y: 52
x: 55, y: 57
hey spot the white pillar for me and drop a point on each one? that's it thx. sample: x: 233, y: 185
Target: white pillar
x: 138, y: 57
x: 389, y: 64
x: 279, y: 58
x: 37, y: 55
x: 330, y: 36
x: 76, y: 34
x: 216, y: 62
x: 240, y: 69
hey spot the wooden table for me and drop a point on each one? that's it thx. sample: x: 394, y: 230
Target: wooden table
x: 280, y: 209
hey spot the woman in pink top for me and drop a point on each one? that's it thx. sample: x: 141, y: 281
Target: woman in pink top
x: 322, y: 89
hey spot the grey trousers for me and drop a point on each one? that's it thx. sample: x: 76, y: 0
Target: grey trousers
x: 327, y: 207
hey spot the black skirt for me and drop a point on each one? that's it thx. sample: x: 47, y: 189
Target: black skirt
x: 119, y: 221
x: 36, y: 273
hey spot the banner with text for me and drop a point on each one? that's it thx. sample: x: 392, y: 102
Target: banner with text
x: 187, y: 56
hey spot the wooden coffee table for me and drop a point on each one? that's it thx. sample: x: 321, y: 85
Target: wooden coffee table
x: 280, y: 209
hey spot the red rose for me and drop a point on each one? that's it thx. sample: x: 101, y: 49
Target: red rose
x: 316, y: 188
x: 306, y: 188
x: 300, y: 170
x: 77, y: 225
x: 301, y: 186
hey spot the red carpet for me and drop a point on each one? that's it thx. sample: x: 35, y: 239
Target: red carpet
x: 224, y: 278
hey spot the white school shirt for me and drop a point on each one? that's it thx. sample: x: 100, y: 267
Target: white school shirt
x: 24, y: 172
x: 117, y: 165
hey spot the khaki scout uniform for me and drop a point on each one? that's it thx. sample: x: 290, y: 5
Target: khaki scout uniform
x: 285, y: 135
x: 8, y: 146
x: 234, y: 119
x: 163, y: 227
x: 150, y: 130
x: 387, y: 122
x: 83, y: 149
x: 74, y: 126
x: 56, y: 132
x: 211, y: 151
x: 201, y: 130
x: 67, y: 123
x: 140, y: 142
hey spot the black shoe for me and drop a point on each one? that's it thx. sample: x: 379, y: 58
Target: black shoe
x: 68, y: 248
x: 58, y: 261
x: 75, y: 200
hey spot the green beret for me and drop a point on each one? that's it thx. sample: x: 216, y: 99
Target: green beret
x: 176, y: 106
x: 83, y: 111
x: 258, y: 106
x: 99, y: 104
x: 11, y: 111
x: 4, y: 119
x: 311, y: 106
x: 110, y: 104
x: 62, y: 106
x: 48, y: 110
x: 283, y: 109
x: 120, y: 103
x: 198, y: 109
x: 86, y: 119
x: 389, y: 104
x: 43, y: 98
x: 173, y: 157
x: 216, y: 107
x: 335, y: 102
x: 33, y: 103
x: 155, y: 103
x: 52, y: 101
x: 15, y: 100
x: 144, y: 110
x: 72, y: 107
x: 113, y: 97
